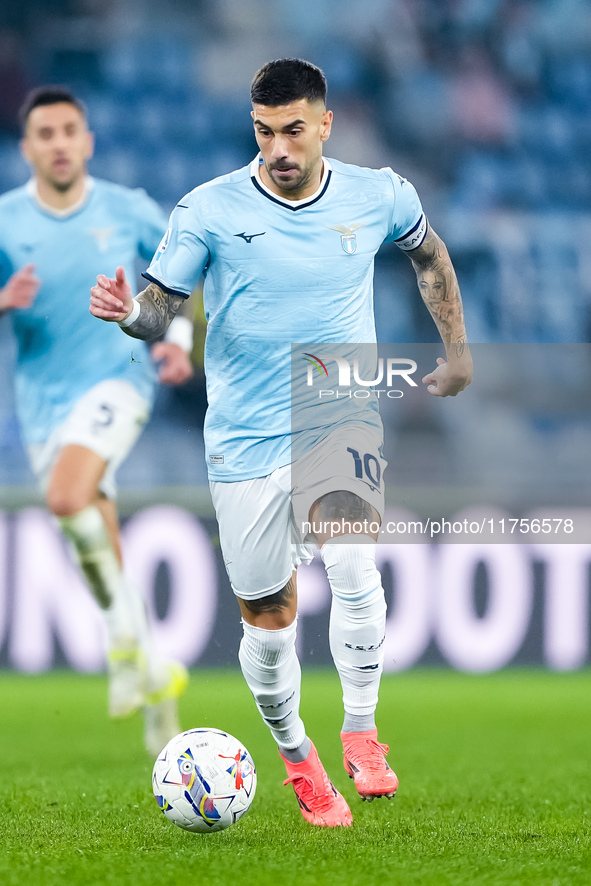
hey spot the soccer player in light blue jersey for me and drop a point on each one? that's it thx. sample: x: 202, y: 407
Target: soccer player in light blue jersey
x: 82, y: 394
x: 287, y: 246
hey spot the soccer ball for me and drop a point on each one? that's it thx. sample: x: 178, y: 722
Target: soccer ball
x: 204, y: 780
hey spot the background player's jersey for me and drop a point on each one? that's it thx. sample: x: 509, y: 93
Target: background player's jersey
x: 62, y: 350
x: 278, y: 272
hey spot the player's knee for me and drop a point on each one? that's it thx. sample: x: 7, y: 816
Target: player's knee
x: 343, y: 513
x: 66, y: 502
x: 273, y: 612
x: 342, y: 504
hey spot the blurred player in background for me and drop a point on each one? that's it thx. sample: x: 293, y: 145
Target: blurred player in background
x: 82, y: 394
x: 287, y: 246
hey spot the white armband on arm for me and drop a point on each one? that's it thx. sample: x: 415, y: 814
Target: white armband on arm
x: 135, y: 312
x: 414, y: 238
x: 180, y: 332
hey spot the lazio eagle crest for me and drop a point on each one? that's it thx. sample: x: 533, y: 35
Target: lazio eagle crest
x: 348, y: 238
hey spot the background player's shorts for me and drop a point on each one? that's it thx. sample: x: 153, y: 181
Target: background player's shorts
x: 107, y: 419
x: 260, y: 520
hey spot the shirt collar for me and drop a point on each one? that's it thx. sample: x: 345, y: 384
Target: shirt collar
x: 255, y: 173
x: 32, y: 191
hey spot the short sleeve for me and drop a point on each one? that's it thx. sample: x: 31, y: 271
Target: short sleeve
x: 182, y: 254
x: 151, y: 221
x: 408, y: 224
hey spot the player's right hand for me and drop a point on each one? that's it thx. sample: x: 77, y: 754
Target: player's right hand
x: 111, y: 299
x: 20, y: 289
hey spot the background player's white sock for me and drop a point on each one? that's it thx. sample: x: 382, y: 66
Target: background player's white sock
x: 158, y: 668
x: 357, y: 626
x: 272, y: 671
x: 123, y: 609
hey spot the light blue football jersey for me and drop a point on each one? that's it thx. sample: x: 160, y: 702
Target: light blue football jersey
x: 279, y: 272
x: 62, y: 350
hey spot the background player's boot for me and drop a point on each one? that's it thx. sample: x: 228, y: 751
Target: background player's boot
x: 320, y: 802
x: 128, y: 679
x: 365, y: 763
x: 161, y: 720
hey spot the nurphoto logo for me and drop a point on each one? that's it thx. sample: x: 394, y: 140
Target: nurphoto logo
x: 391, y: 370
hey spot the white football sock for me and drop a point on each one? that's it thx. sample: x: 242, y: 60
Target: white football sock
x: 271, y: 668
x: 123, y: 609
x: 357, y: 625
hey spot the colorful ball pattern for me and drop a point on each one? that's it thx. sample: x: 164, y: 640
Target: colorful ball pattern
x: 204, y: 780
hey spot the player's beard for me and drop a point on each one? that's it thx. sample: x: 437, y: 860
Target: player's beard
x: 63, y: 186
x: 298, y: 183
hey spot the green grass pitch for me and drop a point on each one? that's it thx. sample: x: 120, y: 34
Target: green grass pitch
x: 495, y: 787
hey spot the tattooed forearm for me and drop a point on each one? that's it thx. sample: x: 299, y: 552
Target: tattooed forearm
x: 439, y: 289
x: 157, y: 308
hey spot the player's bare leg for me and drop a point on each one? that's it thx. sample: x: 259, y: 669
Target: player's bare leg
x: 357, y: 629
x: 90, y: 523
x: 271, y: 668
x: 137, y: 675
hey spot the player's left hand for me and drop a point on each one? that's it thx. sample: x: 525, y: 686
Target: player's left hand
x: 175, y: 365
x: 451, y: 376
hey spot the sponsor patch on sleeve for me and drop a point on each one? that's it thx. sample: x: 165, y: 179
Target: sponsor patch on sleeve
x: 163, y: 244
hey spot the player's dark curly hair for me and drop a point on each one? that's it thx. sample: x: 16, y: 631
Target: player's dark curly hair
x: 48, y: 95
x: 287, y: 80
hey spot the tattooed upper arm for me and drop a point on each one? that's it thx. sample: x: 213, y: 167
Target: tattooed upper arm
x: 430, y: 253
x: 157, y: 309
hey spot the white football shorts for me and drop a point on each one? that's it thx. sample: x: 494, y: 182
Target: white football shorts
x: 107, y: 419
x: 264, y: 534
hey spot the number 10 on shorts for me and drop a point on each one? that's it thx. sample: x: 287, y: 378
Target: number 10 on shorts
x: 367, y: 463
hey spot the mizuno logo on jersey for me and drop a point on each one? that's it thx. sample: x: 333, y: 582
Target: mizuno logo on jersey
x: 348, y: 238
x: 248, y: 237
